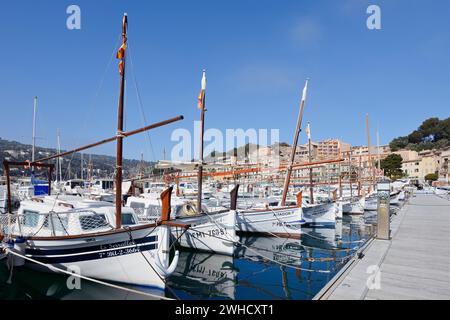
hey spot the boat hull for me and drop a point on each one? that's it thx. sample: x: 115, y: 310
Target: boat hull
x: 284, y: 222
x: 354, y: 207
x: 371, y: 204
x: 137, y: 257
x: 208, y: 232
x: 321, y: 215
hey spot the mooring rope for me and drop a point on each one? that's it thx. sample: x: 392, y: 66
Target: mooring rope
x: 53, y: 268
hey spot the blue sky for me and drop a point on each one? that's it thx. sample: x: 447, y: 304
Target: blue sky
x: 257, y: 53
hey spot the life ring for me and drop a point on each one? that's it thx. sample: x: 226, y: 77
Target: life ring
x: 190, y: 209
x: 27, y: 164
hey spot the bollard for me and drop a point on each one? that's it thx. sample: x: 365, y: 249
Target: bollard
x: 384, y: 221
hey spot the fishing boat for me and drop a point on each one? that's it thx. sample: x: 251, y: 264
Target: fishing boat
x: 68, y: 231
x: 371, y: 203
x: 209, y: 231
x: 321, y: 215
x: 284, y: 219
x: 103, y: 241
x: 396, y: 197
x: 354, y: 205
x: 271, y: 221
x: 444, y: 190
x: 73, y: 187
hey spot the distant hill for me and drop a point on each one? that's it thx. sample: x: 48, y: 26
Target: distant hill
x: 241, y: 152
x: 102, y: 165
x: 431, y: 134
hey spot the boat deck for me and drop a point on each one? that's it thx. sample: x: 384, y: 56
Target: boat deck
x: 414, y: 264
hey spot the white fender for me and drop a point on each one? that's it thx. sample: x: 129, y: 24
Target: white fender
x: 165, y: 272
x: 174, y: 264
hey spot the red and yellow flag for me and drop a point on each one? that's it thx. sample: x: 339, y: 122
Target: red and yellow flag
x: 121, y: 52
x: 121, y: 55
x: 201, y: 99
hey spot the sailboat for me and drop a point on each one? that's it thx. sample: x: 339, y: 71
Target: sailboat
x: 281, y: 220
x: 209, y: 231
x: 322, y: 215
x: 102, y: 240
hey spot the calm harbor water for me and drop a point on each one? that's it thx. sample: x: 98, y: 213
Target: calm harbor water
x: 263, y: 268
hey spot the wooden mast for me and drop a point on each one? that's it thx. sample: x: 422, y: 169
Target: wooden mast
x: 120, y: 128
x: 368, y: 148
x: 294, y: 147
x: 311, y: 188
x: 33, y: 147
x: 350, y: 174
x: 201, y: 105
x: 359, y: 177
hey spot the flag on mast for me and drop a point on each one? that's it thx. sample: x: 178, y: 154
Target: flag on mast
x: 308, y: 131
x: 305, y: 89
x: 201, y: 95
x: 121, y: 56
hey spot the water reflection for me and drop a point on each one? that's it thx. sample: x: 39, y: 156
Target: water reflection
x: 201, y: 274
x: 27, y: 284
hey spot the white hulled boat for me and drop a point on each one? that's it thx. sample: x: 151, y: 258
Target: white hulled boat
x: 69, y: 231
x: 209, y: 231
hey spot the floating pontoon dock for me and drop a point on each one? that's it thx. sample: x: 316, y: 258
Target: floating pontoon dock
x: 414, y: 264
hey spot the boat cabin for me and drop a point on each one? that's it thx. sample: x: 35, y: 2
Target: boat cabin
x: 148, y: 207
x: 67, y: 215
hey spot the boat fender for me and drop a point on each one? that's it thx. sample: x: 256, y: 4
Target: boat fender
x: 19, y: 247
x: 174, y: 263
x: 161, y: 270
x: 189, y: 209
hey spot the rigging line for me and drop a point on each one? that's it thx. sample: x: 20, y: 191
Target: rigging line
x: 92, y: 102
x: 53, y: 268
x: 141, y: 107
